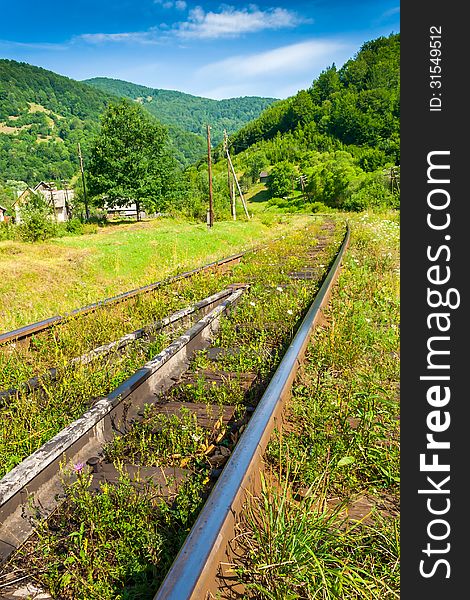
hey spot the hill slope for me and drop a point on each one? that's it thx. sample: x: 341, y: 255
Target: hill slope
x: 355, y: 108
x: 44, y: 115
x: 192, y: 113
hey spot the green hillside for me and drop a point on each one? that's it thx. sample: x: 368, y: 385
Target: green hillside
x: 44, y: 115
x: 355, y: 108
x: 192, y: 113
x: 335, y: 144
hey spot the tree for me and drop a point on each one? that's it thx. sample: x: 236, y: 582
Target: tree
x: 281, y: 180
x: 36, y: 219
x: 130, y: 160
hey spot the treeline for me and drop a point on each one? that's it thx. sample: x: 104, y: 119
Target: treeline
x: 192, y: 113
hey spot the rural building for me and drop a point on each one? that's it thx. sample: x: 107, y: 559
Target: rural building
x: 263, y: 176
x: 60, y: 200
x: 3, y: 210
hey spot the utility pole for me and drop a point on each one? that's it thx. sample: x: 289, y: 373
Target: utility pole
x: 231, y: 187
x: 209, y: 167
x: 234, y: 211
x: 87, y: 213
x: 238, y: 185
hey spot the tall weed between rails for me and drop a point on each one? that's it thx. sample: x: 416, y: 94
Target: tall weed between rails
x: 342, y: 430
x: 114, y: 544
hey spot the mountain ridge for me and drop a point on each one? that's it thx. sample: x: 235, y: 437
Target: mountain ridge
x: 44, y: 115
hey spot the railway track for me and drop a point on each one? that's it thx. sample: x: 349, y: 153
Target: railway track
x: 192, y: 386
x: 23, y: 333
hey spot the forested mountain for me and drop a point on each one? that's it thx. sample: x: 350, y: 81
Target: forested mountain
x: 334, y: 145
x: 355, y: 108
x: 192, y: 113
x: 44, y: 115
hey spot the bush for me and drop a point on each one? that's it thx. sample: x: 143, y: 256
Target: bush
x: 36, y: 219
x: 7, y: 231
x: 319, y: 207
x: 370, y: 193
x: 74, y: 226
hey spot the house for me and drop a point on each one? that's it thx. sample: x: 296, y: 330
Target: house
x: 60, y: 200
x: 3, y: 210
x: 263, y: 176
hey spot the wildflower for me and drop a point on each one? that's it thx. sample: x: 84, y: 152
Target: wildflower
x: 78, y: 468
x: 252, y: 304
x: 289, y: 312
x: 279, y: 288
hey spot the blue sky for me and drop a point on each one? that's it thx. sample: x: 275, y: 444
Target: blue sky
x: 212, y: 49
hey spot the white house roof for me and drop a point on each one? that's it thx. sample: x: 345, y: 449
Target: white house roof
x: 58, y: 197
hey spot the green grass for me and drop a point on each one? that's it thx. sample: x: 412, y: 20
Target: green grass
x: 340, y: 444
x: 44, y: 279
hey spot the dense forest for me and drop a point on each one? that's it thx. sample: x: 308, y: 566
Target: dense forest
x: 44, y: 115
x: 355, y: 108
x: 192, y: 113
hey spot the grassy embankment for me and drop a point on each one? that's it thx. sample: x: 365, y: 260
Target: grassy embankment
x: 326, y: 524
x: 45, y: 279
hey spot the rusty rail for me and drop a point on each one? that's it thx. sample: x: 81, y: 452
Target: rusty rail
x: 52, y: 373
x: 38, y: 475
x: 196, y: 572
x: 28, y: 330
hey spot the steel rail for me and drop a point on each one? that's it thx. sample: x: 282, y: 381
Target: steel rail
x: 28, y: 330
x: 196, y: 570
x: 38, y: 476
x: 101, y: 351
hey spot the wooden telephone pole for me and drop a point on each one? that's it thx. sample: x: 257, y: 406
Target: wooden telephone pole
x: 231, y: 186
x: 209, y: 168
x: 236, y: 181
x: 87, y: 213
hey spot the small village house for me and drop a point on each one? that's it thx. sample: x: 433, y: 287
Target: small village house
x: 60, y: 200
x: 3, y: 210
x: 263, y: 176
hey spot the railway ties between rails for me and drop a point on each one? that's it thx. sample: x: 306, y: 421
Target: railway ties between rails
x: 202, y: 382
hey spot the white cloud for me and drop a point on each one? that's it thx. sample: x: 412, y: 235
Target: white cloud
x: 280, y: 72
x: 232, y: 22
x: 228, y: 23
x: 132, y: 37
x: 34, y: 45
x: 286, y: 59
x: 393, y: 11
x: 178, y: 5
